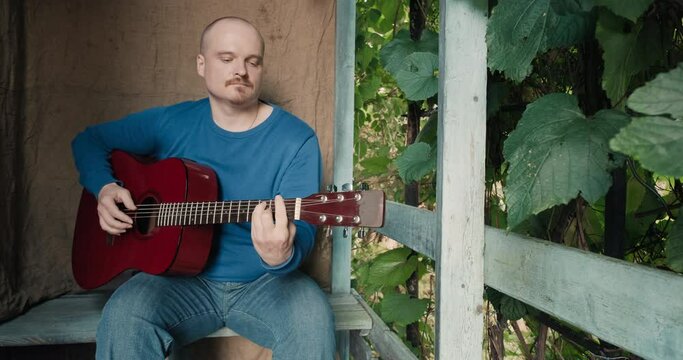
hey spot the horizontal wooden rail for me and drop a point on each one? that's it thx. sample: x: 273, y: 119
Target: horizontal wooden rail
x: 629, y: 305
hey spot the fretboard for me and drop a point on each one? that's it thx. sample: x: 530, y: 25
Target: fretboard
x: 204, y: 213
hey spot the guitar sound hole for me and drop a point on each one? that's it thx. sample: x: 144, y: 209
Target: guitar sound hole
x: 146, y: 221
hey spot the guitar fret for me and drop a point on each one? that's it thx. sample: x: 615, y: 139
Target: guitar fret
x: 230, y: 211
x: 197, y: 213
x: 201, y: 212
x: 222, y: 206
x: 164, y: 213
x: 215, y: 206
x: 239, y: 205
x: 188, y: 214
x: 176, y: 218
x: 246, y: 212
x: 170, y: 213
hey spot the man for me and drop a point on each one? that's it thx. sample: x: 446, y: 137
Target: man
x: 258, y: 151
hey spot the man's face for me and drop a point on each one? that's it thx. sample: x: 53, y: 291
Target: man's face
x: 231, y: 63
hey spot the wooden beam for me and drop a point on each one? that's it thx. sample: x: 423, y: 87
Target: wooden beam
x: 637, y: 308
x: 387, y: 343
x: 345, y: 62
x: 460, y: 179
x: 343, y: 134
x: 359, y: 349
x: 629, y: 305
x: 413, y: 227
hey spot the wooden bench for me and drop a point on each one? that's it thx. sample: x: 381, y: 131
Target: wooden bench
x: 73, y: 319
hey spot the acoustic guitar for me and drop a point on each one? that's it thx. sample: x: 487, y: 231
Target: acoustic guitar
x: 177, y: 212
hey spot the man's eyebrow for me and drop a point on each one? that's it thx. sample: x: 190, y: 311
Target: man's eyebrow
x: 230, y: 53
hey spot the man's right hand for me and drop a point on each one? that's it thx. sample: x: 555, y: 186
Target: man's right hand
x: 112, y: 219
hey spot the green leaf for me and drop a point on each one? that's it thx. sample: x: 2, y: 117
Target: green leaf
x: 428, y: 134
x: 674, y: 247
x: 390, y: 9
x: 395, y: 52
x: 555, y: 154
x: 416, y: 161
x: 656, y: 142
x: 368, y: 89
x: 573, y: 24
x: 630, y: 9
x: 375, y: 165
x: 663, y: 95
x: 518, y: 30
x: 626, y: 53
x: 402, y: 309
x: 511, y: 308
x: 417, y: 76
x: 393, y: 267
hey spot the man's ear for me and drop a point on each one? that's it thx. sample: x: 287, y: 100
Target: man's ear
x: 200, y: 65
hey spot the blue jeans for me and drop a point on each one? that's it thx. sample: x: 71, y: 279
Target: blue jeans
x: 148, y: 315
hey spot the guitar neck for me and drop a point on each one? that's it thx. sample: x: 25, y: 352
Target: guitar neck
x: 207, y: 213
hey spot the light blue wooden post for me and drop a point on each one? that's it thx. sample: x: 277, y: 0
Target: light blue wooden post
x: 343, y: 148
x: 460, y: 182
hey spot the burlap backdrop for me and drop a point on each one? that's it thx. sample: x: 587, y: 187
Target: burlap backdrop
x: 66, y: 64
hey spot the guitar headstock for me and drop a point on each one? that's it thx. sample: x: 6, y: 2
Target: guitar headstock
x: 346, y: 208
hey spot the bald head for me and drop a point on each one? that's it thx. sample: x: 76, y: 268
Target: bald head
x: 227, y: 20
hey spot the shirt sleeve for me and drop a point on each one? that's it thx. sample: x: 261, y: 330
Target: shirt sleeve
x: 302, y: 178
x: 135, y: 133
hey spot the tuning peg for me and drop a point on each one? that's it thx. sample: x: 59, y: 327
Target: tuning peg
x: 347, y: 187
x: 362, y: 232
x: 331, y: 188
x: 364, y: 186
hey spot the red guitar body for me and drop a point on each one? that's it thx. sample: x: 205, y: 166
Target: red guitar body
x: 98, y: 257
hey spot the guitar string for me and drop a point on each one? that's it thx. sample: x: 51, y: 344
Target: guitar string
x: 191, y: 207
x: 246, y: 212
x: 210, y: 207
x: 287, y: 201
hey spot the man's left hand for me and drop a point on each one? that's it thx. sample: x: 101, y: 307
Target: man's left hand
x: 273, y: 241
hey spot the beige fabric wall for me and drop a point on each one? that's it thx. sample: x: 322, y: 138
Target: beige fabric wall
x: 90, y: 61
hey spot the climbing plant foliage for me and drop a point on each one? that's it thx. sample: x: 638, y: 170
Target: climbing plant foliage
x: 577, y: 90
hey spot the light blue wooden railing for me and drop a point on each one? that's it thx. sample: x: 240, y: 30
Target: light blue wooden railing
x: 635, y: 307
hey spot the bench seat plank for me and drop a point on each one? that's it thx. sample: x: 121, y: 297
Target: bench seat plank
x: 73, y: 319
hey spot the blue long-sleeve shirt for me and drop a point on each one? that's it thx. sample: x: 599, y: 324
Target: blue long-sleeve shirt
x: 279, y: 156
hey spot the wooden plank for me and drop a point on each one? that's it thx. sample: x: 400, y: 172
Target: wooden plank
x: 411, y: 226
x: 639, y: 308
x: 632, y: 306
x: 72, y: 319
x: 359, y: 349
x: 69, y: 319
x: 343, y: 135
x: 460, y: 179
x: 387, y: 343
x: 345, y: 62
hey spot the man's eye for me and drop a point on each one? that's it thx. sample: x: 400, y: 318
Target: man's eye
x: 226, y: 60
x: 253, y: 63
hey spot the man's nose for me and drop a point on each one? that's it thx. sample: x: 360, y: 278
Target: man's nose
x: 240, y: 69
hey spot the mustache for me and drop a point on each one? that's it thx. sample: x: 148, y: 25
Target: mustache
x: 237, y: 82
